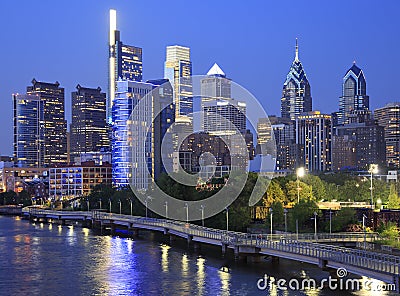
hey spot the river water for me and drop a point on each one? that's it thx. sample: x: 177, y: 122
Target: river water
x: 49, y: 259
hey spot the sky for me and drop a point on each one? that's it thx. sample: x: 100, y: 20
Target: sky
x: 252, y: 41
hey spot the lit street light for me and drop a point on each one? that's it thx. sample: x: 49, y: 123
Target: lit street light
x: 299, y: 173
x: 166, y: 209
x: 373, y: 169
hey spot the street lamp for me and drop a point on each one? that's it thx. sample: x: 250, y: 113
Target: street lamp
x: 365, y: 235
x: 120, y: 211
x: 315, y: 225
x: 299, y: 173
x: 285, y: 211
x: 330, y: 221
x: 373, y: 169
x: 166, y: 209
x: 130, y: 202
x: 187, y: 212
x: 109, y: 201
x: 227, y: 219
x: 88, y: 205
x: 202, y: 215
x: 100, y: 203
x: 271, y: 211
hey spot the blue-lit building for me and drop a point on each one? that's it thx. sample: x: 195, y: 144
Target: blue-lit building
x: 137, y: 136
x: 296, y: 93
x: 125, y: 61
x: 29, y: 130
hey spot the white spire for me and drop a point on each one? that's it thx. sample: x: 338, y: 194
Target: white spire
x: 215, y: 70
x: 297, y: 52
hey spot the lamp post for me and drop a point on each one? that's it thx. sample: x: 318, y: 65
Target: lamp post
x: 271, y: 211
x: 297, y: 229
x: 100, y: 203
x: 130, y: 202
x: 120, y: 208
x: 285, y: 211
x: 315, y: 226
x: 187, y: 212
x: 202, y: 215
x: 145, y: 202
x: 88, y: 205
x: 166, y: 209
x: 109, y: 201
x: 330, y: 221
x: 299, y: 173
x: 373, y: 169
x: 365, y: 234
x: 227, y: 219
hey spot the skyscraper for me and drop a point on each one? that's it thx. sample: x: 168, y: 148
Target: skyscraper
x: 125, y: 61
x: 314, y: 139
x: 389, y: 117
x: 89, y: 130
x: 54, y: 123
x: 136, y: 143
x: 178, y: 69
x: 296, y: 94
x: 354, y: 94
x: 28, y: 130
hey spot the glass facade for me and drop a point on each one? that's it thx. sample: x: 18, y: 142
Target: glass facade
x: 137, y: 136
x: 125, y: 62
x: 354, y: 94
x: 54, y: 123
x: 178, y: 70
x: 296, y: 94
x: 29, y: 145
x: 88, y: 130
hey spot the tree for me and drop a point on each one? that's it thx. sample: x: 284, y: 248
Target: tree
x: 344, y: 217
x: 317, y: 185
x: 291, y: 190
x: 393, y: 199
x: 274, y: 193
x: 24, y: 198
x: 302, y: 212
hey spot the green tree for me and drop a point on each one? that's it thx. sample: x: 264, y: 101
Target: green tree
x: 317, y: 185
x: 277, y: 213
x: 393, y: 199
x: 24, y: 198
x: 302, y: 212
x: 291, y: 191
x: 274, y: 193
x: 342, y: 219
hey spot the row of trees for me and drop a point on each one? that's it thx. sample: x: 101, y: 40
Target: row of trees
x: 12, y: 198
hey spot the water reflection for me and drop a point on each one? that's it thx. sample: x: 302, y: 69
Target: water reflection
x: 224, y: 277
x: 201, y: 276
x: 164, y: 257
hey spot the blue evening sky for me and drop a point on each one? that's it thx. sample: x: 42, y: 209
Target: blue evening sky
x: 252, y: 41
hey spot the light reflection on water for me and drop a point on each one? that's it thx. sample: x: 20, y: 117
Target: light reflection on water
x: 65, y: 260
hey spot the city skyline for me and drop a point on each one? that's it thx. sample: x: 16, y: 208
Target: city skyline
x: 268, y: 56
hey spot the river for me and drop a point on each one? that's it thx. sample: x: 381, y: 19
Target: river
x: 50, y: 259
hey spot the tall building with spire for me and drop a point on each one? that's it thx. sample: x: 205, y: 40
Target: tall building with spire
x: 296, y: 94
x: 178, y: 69
x: 125, y: 62
x: 354, y: 95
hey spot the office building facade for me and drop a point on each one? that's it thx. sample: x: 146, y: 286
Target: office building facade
x: 54, y: 127
x: 88, y: 129
x: 314, y: 141
x: 178, y: 70
x: 296, y: 94
x: 136, y: 143
x: 125, y: 62
x: 354, y: 94
x: 389, y: 118
x: 28, y: 119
